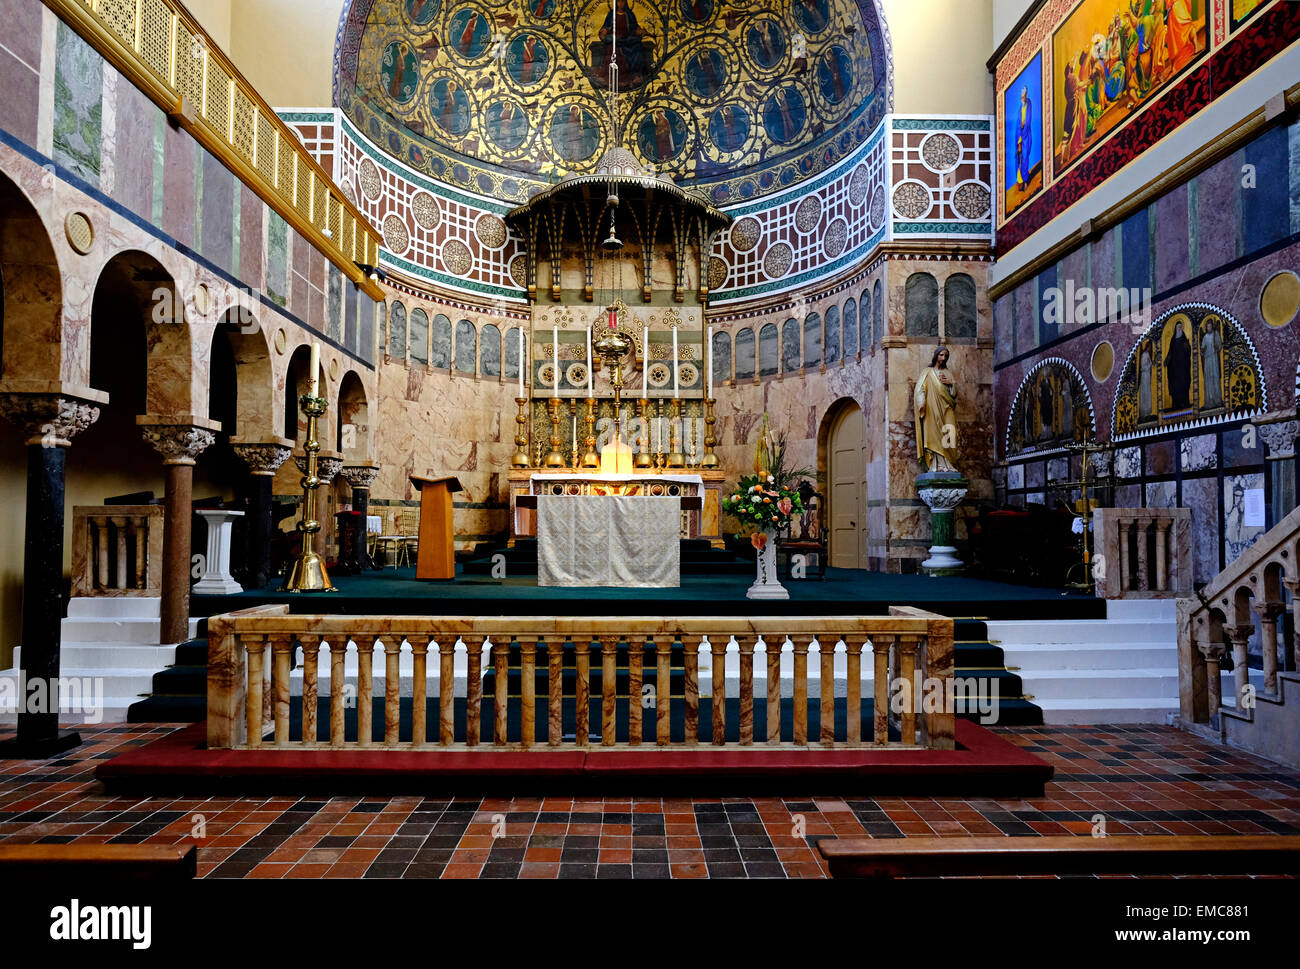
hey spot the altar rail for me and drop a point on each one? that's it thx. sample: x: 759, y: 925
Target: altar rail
x: 251, y: 653
x: 117, y: 550
x: 1147, y: 553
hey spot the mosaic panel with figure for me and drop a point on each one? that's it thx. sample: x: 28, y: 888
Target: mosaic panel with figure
x: 1052, y: 409
x: 1193, y: 364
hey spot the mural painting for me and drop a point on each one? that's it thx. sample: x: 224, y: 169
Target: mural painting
x: 1052, y: 409
x: 1194, y: 363
x: 1110, y: 57
x: 1022, y: 114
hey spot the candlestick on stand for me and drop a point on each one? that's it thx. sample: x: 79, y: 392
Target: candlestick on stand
x: 659, y: 444
x: 642, y: 459
x: 309, y: 573
x: 675, y: 457
x: 555, y: 458
x: 710, y: 460
x: 590, y: 458
x: 520, y: 459
x: 573, y: 433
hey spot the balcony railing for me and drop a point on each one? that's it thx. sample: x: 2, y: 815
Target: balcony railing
x: 117, y: 550
x: 542, y: 682
x: 160, y: 48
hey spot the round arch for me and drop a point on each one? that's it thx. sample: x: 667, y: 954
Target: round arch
x: 31, y: 290
x: 842, y: 467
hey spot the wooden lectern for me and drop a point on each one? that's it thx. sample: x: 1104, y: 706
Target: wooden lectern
x: 437, y: 556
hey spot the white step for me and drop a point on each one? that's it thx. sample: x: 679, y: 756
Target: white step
x: 1111, y: 710
x: 1091, y: 656
x: 129, y: 629
x: 114, y: 607
x: 1035, y: 632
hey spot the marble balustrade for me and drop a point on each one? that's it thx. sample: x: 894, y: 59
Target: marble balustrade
x: 117, y: 550
x: 908, y: 654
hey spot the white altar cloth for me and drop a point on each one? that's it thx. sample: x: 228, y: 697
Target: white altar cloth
x: 588, y: 540
x: 694, y: 479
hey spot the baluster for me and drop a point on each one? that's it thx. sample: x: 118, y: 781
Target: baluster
x: 608, y: 697
x: 719, y: 678
x: 338, y: 653
x: 880, y: 648
x: 555, y: 685
x: 800, y: 693
x: 119, y: 528
x: 1239, y: 636
x: 635, y: 660
x: 419, y: 691
x: 365, y: 691
x: 582, y: 660
x: 140, y: 526
x: 446, y: 693
x: 691, y: 662
x: 501, y: 694
x: 527, y: 690
x: 1268, y: 613
x: 746, y: 690
x: 281, y: 654
x: 663, y: 689
x: 392, y: 688
x: 853, y: 702
x: 1125, y: 574
x: 1143, y: 574
x: 255, y: 647
x: 774, y: 690
x: 473, y: 692
x: 826, y: 653
x: 907, y: 674
x: 101, y: 565
x: 310, y: 689
x: 1162, y: 553
x: 1213, y: 653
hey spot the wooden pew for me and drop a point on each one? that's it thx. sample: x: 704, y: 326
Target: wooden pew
x: 69, y: 862
x: 1062, y: 855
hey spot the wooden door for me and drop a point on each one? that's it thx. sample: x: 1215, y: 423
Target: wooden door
x: 847, y: 475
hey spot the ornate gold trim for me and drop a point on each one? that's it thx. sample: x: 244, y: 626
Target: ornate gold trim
x: 217, y: 135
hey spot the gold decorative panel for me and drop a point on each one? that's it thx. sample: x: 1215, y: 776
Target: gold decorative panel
x: 189, y: 66
x: 218, y: 109
x: 245, y: 124
x: 336, y: 220
x: 119, y: 15
x: 156, y: 37
x: 266, y: 149
x: 302, y: 196
x: 320, y: 206
x: 285, y: 172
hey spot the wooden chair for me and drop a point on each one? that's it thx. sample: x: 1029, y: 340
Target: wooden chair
x: 408, y: 531
x: 807, y: 534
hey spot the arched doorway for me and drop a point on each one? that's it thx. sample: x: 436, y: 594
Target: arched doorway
x: 844, y: 449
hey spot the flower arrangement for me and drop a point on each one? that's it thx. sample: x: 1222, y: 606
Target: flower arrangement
x: 768, y: 499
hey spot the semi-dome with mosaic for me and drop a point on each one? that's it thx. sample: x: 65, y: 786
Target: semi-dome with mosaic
x: 504, y: 98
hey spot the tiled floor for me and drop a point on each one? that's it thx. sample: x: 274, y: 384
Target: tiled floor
x: 1143, y: 780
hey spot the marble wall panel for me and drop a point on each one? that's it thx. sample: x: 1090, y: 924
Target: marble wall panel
x: 1201, y: 495
x: 136, y: 120
x: 277, y: 259
x: 960, y: 312
x: 78, y: 105
x: 1128, y: 462
x: 1161, y: 457
x: 1161, y: 494
x: 1173, y: 265
x: 1016, y: 477
x: 1215, y: 228
x: 812, y: 340
x: 791, y: 338
x: 440, y: 354
x: 1198, y: 453
x: 512, y: 353
x: 490, y: 351
x: 746, y: 354
x: 768, y: 352
x: 832, y: 340
x: 252, y: 250
x: 1034, y: 471
x: 850, y: 329
x: 334, y: 305
x: 218, y: 204
x: 1237, y: 535
x: 921, y: 302
x: 466, y: 347
x: 417, y: 335
x: 721, y: 361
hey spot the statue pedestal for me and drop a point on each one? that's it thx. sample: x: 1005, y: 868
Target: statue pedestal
x: 942, y: 491
x: 216, y: 576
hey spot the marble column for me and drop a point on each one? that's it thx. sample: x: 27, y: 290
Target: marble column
x: 1239, y: 636
x: 263, y: 460
x: 361, y: 476
x: 180, y: 441
x: 48, y: 423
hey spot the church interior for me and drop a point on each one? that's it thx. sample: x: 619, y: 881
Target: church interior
x: 605, y: 439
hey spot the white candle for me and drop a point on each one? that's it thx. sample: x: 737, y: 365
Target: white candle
x: 590, y: 392
x: 645, y: 362
x: 708, y: 360
x: 313, y: 386
x: 521, y: 361
x: 555, y: 342
x: 674, y: 361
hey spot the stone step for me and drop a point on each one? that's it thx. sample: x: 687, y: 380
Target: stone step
x: 1105, y: 685
x: 1092, y: 656
x: 1019, y: 632
x: 129, y: 629
x: 1111, y: 710
x: 114, y: 607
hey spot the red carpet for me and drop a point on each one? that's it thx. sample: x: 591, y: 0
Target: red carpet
x: 984, y: 763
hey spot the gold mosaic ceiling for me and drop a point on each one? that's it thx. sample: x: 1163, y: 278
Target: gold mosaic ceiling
x: 736, y: 99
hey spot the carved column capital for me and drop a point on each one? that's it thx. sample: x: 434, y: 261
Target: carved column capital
x: 1213, y: 652
x: 263, y: 459
x: 50, y: 420
x: 360, y: 475
x: 1239, y: 635
x: 327, y: 467
x: 178, y: 443
x: 1268, y: 611
x: 1279, y: 437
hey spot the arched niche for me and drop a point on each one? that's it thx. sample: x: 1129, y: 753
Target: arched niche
x: 31, y: 291
x: 959, y: 310
x: 466, y: 347
x: 721, y: 356
x: 831, y: 342
x: 490, y: 351
x: 397, y: 331
x: 921, y: 305
x: 791, y: 346
x: 353, y: 419
x: 746, y: 353
x: 440, y: 352
x: 418, y: 336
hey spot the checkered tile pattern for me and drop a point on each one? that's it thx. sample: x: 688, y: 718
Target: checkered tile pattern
x: 1143, y: 780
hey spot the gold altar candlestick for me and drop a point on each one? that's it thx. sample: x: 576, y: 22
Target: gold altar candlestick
x: 710, y: 459
x: 554, y: 459
x: 590, y: 459
x: 520, y: 459
x: 675, y: 457
x: 309, y: 573
x: 643, y: 459
x: 659, y: 445
x: 573, y: 433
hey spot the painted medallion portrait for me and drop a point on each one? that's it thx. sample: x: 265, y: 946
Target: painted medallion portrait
x: 766, y: 43
x: 661, y: 135
x: 1109, y: 58
x: 784, y: 114
x: 422, y: 12
x: 575, y: 132
x: 835, y: 74
x: 696, y: 11
x: 1022, y: 129
x: 506, y: 124
x: 633, y: 24
x: 469, y: 32
x: 706, y: 73
x: 526, y: 59
x: 729, y: 127
x: 813, y: 16
x: 400, y: 74
x: 450, y: 106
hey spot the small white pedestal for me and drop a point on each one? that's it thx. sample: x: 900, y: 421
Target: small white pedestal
x: 216, y: 579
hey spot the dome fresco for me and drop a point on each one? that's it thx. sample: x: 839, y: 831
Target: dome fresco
x: 737, y: 100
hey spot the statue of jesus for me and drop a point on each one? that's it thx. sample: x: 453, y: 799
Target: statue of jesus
x: 935, y: 398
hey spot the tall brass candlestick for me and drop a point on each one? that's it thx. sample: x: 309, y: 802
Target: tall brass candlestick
x: 659, y: 445
x: 308, y: 573
x: 590, y: 459
x: 573, y: 433
x: 555, y: 459
x: 676, y: 458
x: 710, y: 459
x: 643, y: 459
x: 520, y: 459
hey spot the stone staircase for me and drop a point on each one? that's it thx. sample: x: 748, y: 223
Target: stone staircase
x: 1121, y: 669
x: 113, y: 639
